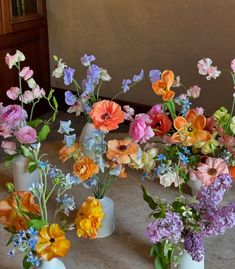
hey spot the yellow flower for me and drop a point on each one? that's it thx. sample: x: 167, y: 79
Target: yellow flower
x: 89, y: 218
x: 52, y: 242
x: 209, y: 146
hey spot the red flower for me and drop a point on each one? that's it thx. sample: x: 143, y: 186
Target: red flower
x: 161, y: 124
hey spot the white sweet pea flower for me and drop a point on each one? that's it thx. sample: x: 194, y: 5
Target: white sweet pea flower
x: 59, y: 71
x: 167, y: 179
x: 104, y: 75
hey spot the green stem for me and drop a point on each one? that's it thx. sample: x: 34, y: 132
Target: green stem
x: 20, y: 86
x: 121, y: 92
x: 98, y: 90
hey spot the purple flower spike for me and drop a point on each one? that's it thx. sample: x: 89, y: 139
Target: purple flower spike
x: 87, y: 59
x: 70, y: 98
x: 68, y: 75
x: 194, y: 245
x: 154, y: 75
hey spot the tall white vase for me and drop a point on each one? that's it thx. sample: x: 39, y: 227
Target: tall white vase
x: 108, y: 222
x: 87, y: 130
x: 52, y: 264
x: 195, y: 186
x: 188, y: 263
x: 23, y: 180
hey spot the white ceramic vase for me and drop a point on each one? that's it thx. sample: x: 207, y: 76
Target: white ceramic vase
x: 195, y: 186
x: 108, y: 222
x: 23, y: 180
x: 188, y: 263
x: 87, y: 130
x: 52, y: 264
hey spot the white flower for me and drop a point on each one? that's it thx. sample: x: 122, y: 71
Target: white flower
x: 203, y: 65
x: 59, y: 71
x: 104, y: 75
x: 32, y: 83
x: 168, y: 179
x: 194, y: 91
x: 176, y: 82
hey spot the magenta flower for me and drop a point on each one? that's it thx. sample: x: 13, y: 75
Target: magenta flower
x: 26, y: 135
x: 156, y: 109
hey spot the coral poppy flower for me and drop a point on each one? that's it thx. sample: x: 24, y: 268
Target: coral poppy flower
x: 10, y: 215
x: 190, y: 129
x: 89, y: 218
x: 208, y: 172
x: 106, y: 115
x: 52, y: 242
x: 161, y: 124
x: 162, y: 87
x: 122, y: 151
x: 67, y: 152
x: 85, y: 168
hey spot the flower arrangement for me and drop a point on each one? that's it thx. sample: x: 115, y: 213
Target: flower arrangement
x: 15, y: 122
x: 195, y: 148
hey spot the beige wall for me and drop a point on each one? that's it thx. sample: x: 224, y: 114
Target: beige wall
x: 127, y: 35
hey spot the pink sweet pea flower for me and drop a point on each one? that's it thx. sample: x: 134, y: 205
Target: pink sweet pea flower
x: 156, y: 109
x: 203, y: 66
x: 129, y: 112
x: 209, y: 171
x: 26, y: 73
x: 13, y: 93
x: 27, y: 97
x: 5, y: 131
x: 38, y: 93
x: 9, y: 147
x: 26, y: 135
x: 233, y: 65
x: 194, y: 91
x: 213, y: 73
x: 11, y: 60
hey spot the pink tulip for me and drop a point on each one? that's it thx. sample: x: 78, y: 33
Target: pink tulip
x: 13, y: 93
x: 26, y: 135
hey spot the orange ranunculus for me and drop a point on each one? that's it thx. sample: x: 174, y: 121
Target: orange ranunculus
x: 85, y: 168
x: 89, y: 218
x: 122, y: 151
x: 14, y: 210
x: 106, y: 115
x: 232, y: 171
x: 67, y: 152
x: 190, y: 129
x: 162, y: 87
x: 52, y: 242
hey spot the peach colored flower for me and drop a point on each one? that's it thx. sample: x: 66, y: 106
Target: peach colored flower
x: 11, y: 216
x: 106, y: 115
x: 162, y: 87
x: 85, y: 168
x: 66, y: 153
x: 208, y: 172
x: 122, y: 151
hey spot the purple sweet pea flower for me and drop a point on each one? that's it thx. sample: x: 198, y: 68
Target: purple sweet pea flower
x: 125, y: 85
x: 93, y: 73
x: 87, y: 87
x: 87, y: 59
x: 139, y: 77
x: 154, y: 75
x: 70, y: 98
x: 68, y: 75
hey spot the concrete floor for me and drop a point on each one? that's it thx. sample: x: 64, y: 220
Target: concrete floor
x: 127, y: 248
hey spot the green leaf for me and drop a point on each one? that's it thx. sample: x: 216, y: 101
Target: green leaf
x: 55, y: 102
x: 194, y: 159
x: 56, y: 58
x: 158, y: 264
x: 35, y: 123
x: 43, y: 133
x: 177, y: 205
x: 37, y: 224
x: 154, y: 251
x: 148, y: 199
x: 32, y: 167
x: 9, y: 241
x: 26, y: 265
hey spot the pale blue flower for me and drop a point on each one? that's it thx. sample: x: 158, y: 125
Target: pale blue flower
x: 68, y: 75
x: 69, y: 140
x: 183, y: 158
x: 87, y: 59
x: 65, y: 127
x: 161, y: 157
x: 70, y: 98
x: 154, y: 75
x: 11, y: 253
x: 125, y: 85
x: 93, y: 73
x: 116, y: 171
x: 90, y: 182
x: 87, y: 86
x: 67, y: 203
x: 138, y: 77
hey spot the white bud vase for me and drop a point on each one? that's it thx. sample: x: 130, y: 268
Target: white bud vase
x: 87, y: 130
x: 195, y: 186
x: 52, y: 264
x: 108, y: 222
x: 23, y: 180
x: 188, y: 263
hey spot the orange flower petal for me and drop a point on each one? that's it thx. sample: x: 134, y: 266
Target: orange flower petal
x: 232, y: 171
x: 180, y: 122
x: 191, y: 116
x: 168, y: 76
x: 199, y: 123
x: 202, y: 135
x: 168, y: 95
x: 159, y: 87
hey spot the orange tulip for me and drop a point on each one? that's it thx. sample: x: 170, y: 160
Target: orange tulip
x: 14, y: 211
x: 106, y: 115
x: 67, y: 152
x: 232, y: 171
x: 190, y: 129
x: 162, y: 87
x: 85, y: 168
x: 52, y: 242
x: 122, y: 151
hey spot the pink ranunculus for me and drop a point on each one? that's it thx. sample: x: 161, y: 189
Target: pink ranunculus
x: 26, y: 73
x: 208, y: 172
x: 156, y: 109
x: 5, y: 131
x: 140, y: 130
x: 12, y: 114
x: 26, y: 135
x: 9, y: 147
x: 27, y: 97
x: 194, y: 91
x: 203, y: 66
x: 38, y: 93
x: 13, y: 93
x: 213, y: 73
x: 11, y: 60
x: 233, y: 65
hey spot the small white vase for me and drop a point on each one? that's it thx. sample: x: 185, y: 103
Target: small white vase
x: 108, y: 222
x: 87, y: 130
x: 188, y: 263
x: 23, y: 180
x: 195, y: 186
x: 52, y: 264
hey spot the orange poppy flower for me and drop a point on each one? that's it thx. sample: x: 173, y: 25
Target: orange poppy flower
x: 106, y: 115
x: 13, y: 211
x: 162, y: 87
x: 67, y: 152
x: 52, y: 242
x: 122, y: 151
x: 85, y: 168
x: 190, y: 129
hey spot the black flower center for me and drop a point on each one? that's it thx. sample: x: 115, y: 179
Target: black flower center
x: 123, y: 147
x: 52, y: 240
x: 105, y: 116
x: 190, y: 129
x: 212, y: 171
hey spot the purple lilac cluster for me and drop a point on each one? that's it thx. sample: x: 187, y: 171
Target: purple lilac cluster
x: 193, y: 244
x: 169, y: 228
